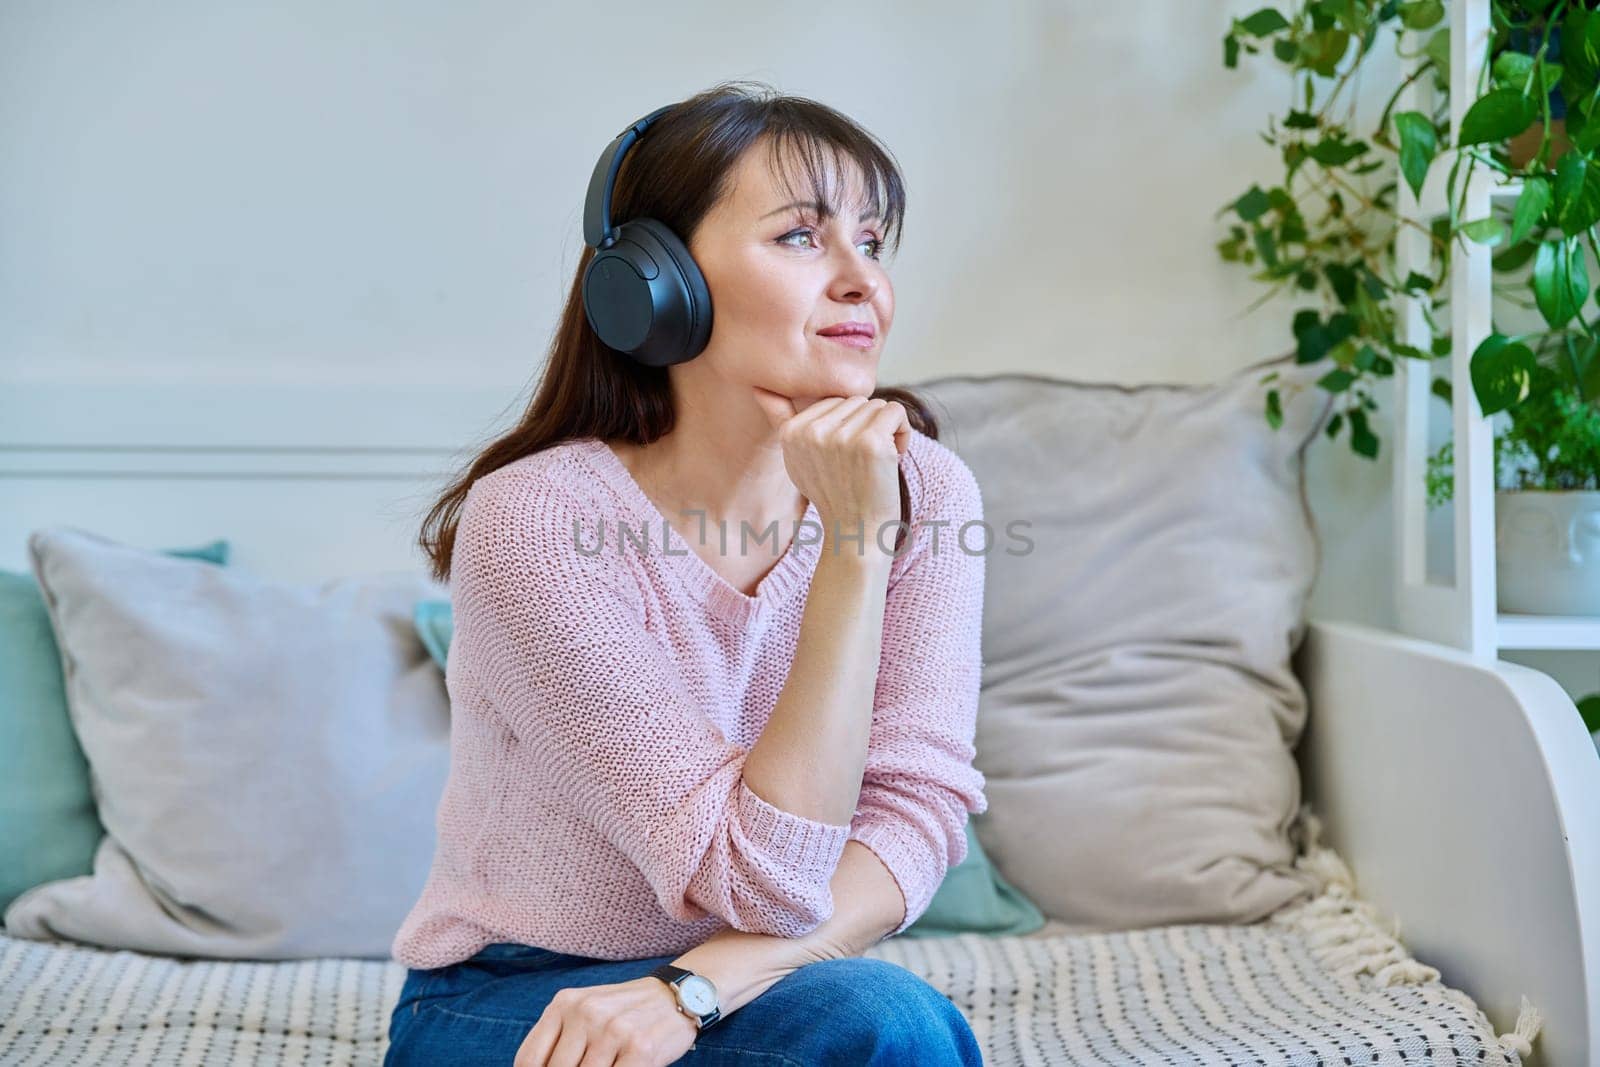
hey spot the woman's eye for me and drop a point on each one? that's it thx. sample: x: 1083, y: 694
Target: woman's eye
x: 877, y: 245
x: 795, y: 233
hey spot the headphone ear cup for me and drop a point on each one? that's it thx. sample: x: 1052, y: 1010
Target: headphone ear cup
x: 646, y: 297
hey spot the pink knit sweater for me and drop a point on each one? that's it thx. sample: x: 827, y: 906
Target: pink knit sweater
x: 603, y: 704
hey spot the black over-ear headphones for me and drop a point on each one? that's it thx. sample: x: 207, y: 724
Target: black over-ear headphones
x: 643, y: 293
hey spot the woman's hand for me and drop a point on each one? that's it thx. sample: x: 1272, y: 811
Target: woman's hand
x: 624, y: 1024
x: 843, y: 453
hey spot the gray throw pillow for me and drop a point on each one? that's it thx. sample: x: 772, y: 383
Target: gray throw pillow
x: 266, y: 758
x: 1139, y: 711
x: 48, y: 825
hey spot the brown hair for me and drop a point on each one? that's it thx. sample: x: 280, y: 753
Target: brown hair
x: 590, y: 390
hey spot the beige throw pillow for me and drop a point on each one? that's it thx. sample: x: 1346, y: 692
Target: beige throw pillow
x: 1139, y: 711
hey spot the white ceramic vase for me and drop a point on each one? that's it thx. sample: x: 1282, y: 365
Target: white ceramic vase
x: 1547, y: 551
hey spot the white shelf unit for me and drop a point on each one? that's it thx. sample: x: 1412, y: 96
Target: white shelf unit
x: 1463, y: 615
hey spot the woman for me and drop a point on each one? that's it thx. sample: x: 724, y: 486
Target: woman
x: 669, y: 747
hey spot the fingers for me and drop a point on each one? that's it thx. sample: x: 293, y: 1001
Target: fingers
x: 570, y: 1048
x: 639, y: 1058
x: 824, y: 418
x: 627, y: 1024
x: 599, y: 1054
x: 892, y: 418
x: 871, y: 418
x: 848, y: 416
x: 535, y: 1049
x: 855, y: 421
x: 815, y: 413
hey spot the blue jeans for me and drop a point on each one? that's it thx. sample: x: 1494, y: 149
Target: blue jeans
x: 851, y: 1011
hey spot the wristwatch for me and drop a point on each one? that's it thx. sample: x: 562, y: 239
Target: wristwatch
x: 696, y: 995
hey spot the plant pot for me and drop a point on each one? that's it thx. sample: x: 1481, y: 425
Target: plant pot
x: 1521, y: 149
x: 1547, y: 551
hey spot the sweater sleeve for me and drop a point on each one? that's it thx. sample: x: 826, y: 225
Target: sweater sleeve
x: 919, y: 782
x: 556, y: 637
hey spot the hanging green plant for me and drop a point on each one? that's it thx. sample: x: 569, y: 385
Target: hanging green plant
x: 1329, y: 228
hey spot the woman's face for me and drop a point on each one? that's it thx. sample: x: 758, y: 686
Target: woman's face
x: 779, y: 273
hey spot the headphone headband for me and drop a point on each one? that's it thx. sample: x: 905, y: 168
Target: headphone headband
x: 643, y: 293
x: 597, y: 230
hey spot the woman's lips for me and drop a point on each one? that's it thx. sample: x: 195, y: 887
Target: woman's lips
x: 854, y: 340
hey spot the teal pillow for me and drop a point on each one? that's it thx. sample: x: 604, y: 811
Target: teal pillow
x: 435, y: 624
x: 49, y: 828
x: 973, y: 898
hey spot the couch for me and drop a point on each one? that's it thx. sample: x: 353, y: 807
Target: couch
x: 1239, y: 803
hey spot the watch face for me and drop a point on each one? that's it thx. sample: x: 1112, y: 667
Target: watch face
x: 699, y: 995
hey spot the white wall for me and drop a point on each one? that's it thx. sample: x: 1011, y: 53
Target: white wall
x: 375, y: 195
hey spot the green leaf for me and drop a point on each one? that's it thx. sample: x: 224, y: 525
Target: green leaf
x: 1253, y: 204
x: 1577, y: 193
x: 1373, y: 284
x: 1502, y: 372
x: 1438, y: 50
x: 1292, y: 231
x: 1494, y: 117
x: 1266, y: 246
x: 1585, y: 138
x: 1589, y: 371
x: 1514, y: 257
x: 1362, y: 439
x: 1577, y: 51
x: 1274, y: 409
x: 1324, y: 49
x: 1551, y: 74
x: 1336, y: 381
x: 1560, y: 281
x: 1587, y: 55
x: 1415, y: 281
x: 1350, y: 14
x: 1334, y: 152
x: 1230, y: 52
x: 1441, y: 389
x: 1419, y: 143
x: 1512, y: 69
x: 1420, y: 14
x: 1486, y: 231
x: 1343, y: 280
x: 1316, y: 339
x: 1263, y: 22
x: 1531, y: 205
x: 1300, y: 120
x: 1589, y: 708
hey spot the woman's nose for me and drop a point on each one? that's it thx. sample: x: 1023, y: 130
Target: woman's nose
x: 854, y: 282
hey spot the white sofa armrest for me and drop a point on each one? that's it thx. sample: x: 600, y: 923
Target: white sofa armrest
x: 1465, y: 795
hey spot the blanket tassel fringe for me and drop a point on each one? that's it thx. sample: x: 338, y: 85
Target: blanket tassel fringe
x: 1349, y: 937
